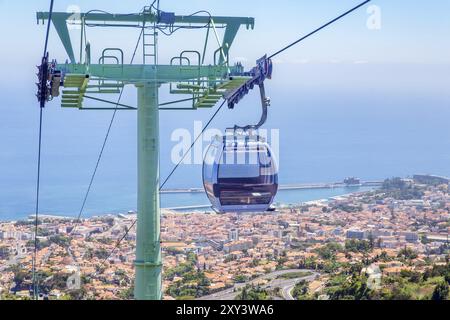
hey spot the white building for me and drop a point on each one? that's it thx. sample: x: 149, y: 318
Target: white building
x: 356, y: 234
x: 233, y: 235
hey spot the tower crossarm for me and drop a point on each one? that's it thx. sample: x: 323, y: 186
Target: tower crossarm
x: 200, y: 83
x: 61, y: 19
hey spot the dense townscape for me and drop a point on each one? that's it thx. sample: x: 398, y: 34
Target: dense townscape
x: 390, y: 243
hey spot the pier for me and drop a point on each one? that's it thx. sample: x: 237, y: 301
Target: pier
x: 329, y: 185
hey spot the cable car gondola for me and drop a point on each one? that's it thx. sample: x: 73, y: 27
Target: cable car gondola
x: 240, y: 174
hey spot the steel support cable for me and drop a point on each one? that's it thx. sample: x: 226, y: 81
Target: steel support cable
x: 192, y: 145
x: 38, y: 180
x: 105, y: 141
x: 118, y: 243
x: 36, y: 219
x: 318, y: 29
x: 48, y: 27
x: 166, y: 180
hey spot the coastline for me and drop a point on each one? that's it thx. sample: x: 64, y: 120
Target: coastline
x: 206, y: 207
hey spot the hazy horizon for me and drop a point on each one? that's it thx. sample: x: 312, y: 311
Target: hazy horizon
x: 348, y: 102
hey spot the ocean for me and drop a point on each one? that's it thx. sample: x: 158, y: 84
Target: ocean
x: 329, y: 129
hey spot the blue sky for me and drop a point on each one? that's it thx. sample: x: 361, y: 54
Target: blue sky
x: 412, y: 31
x: 353, y: 94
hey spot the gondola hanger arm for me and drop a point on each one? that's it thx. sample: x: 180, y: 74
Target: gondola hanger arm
x: 264, y: 66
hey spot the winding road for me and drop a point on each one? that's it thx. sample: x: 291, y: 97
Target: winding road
x: 286, y: 285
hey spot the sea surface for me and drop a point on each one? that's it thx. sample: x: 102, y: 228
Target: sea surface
x: 382, y: 121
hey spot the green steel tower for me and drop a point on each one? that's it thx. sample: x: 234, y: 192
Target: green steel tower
x: 187, y: 75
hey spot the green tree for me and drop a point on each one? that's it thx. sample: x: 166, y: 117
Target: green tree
x: 101, y: 253
x: 353, y: 288
x: 60, y: 240
x: 300, y: 290
x: 447, y: 277
x: 252, y: 293
x: 361, y: 246
x: 328, y: 251
x: 193, y: 283
x: 240, y: 278
x: 127, y: 294
x: 441, y: 291
x: 243, y: 295
x: 407, y: 253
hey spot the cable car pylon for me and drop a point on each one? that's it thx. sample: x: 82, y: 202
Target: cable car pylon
x: 187, y: 74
